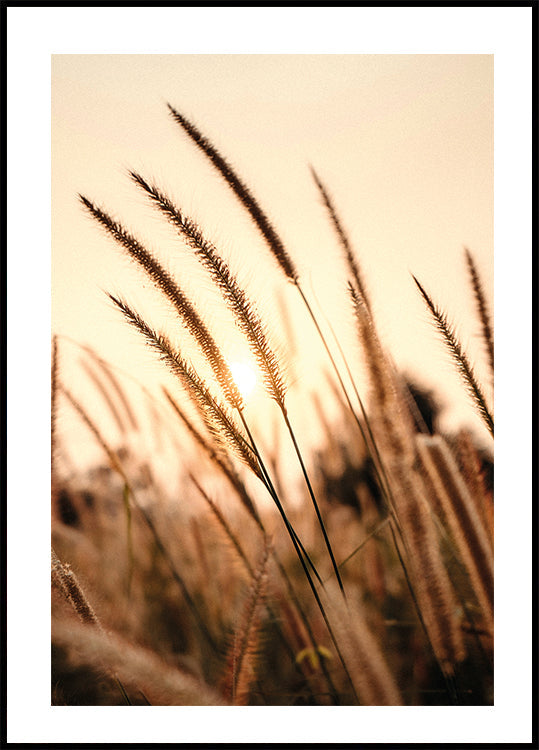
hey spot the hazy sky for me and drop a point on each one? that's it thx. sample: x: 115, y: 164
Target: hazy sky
x: 389, y: 182
x: 404, y: 144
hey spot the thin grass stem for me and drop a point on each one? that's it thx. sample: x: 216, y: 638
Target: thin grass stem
x: 459, y: 357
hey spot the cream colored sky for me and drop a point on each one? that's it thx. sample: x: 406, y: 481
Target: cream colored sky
x: 403, y: 142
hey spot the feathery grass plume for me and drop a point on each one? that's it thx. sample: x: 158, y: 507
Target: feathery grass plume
x: 242, y: 192
x: 218, y: 420
x: 277, y: 248
x: 438, y: 608
x: 233, y: 479
x: 431, y: 587
x: 395, y: 425
x: 248, y: 320
x: 481, y: 305
x: 117, y: 466
x: 373, y: 680
x: 474, y: 477
x: 274, y: 619
x: 266, y: 229
x: 183, y: 306
x: 241, y: 660
x: 87, y: 649
x: 459, y: 357
x: 462, y: 518
x: 67, y: 581
x: 343, y: 240
x: 431, y: 583
x: 245, y: 314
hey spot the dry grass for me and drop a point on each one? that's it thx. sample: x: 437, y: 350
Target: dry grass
x: 362, y: 576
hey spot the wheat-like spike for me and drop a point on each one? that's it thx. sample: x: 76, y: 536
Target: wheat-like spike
x: 429, y: 583
x: 241, y: 658
x: 481, y: 305
x: 462, y: 518
x: 72, y: 590
x: 276, y: 247
x: 242, y: 192
x: 459, y: 357
x: 394, y: 419
x: 246, y: 316
x: 267, y: 231
x: 248, y: 321
x: 184, y: 307
x: 218, y: 420
x: 66, y: 580
x: 226, y: 467
x: 343, y: 239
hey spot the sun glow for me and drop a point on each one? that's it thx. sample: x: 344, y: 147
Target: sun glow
x: 245, y: 377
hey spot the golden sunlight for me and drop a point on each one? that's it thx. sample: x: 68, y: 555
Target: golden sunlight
x: 245, y: 377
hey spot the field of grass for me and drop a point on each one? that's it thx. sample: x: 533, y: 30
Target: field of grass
x: 356, y: 573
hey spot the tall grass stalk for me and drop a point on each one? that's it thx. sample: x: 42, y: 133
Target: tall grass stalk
x: 432, y: 589
x: 241, y: 660
x: 216, y: 416
x: 435, y: 558
x: 459, y: 357
x: 461, y: 516
x: 67, y: 582
x: 249, y: 323
x: 118, y: 467
x: 481, y: 306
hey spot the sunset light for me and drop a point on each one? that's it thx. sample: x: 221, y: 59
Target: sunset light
x: 272, y: 380
x: 245, y: 377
